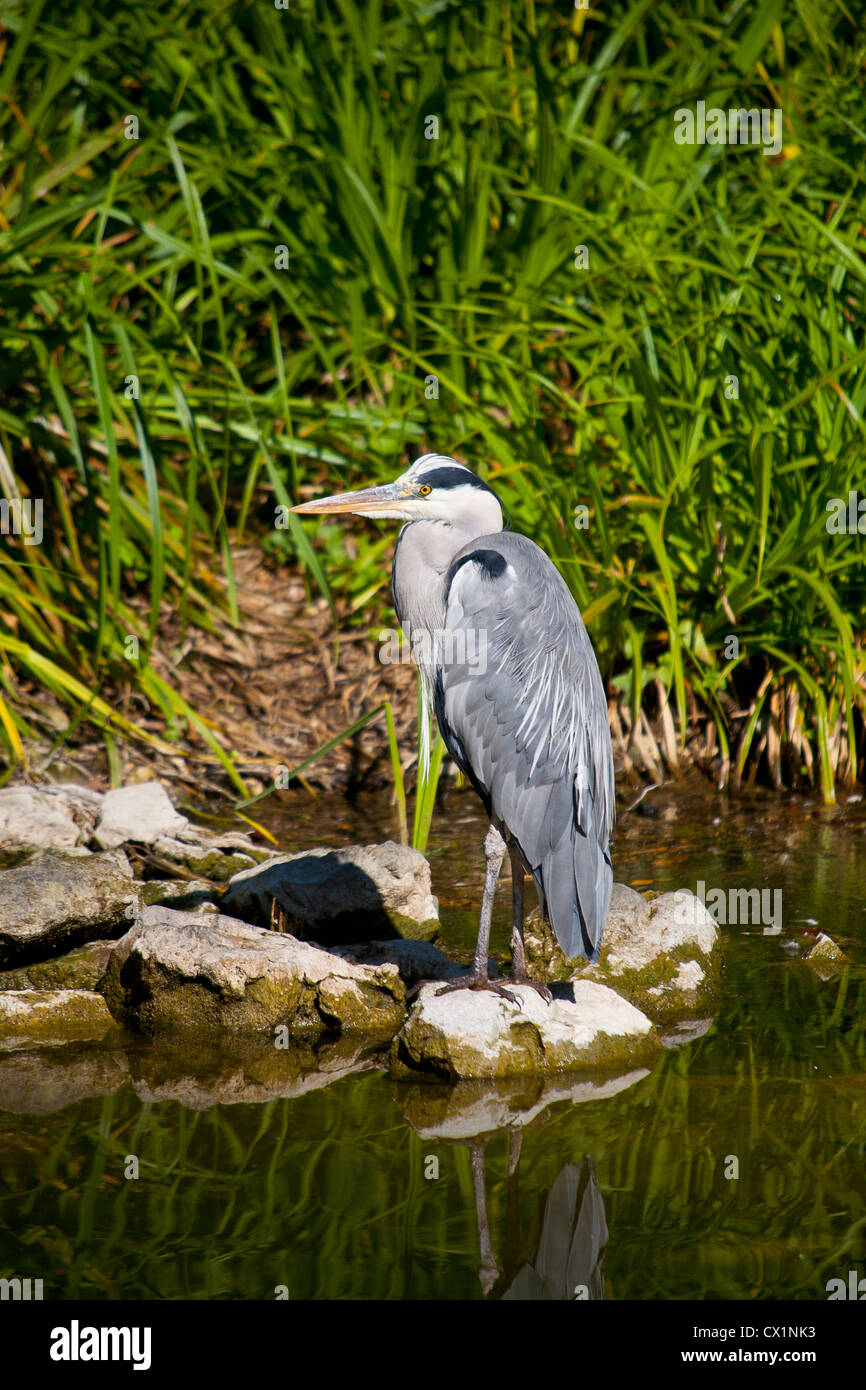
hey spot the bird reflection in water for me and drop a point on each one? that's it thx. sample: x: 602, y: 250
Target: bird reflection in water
x: 566, y: 1264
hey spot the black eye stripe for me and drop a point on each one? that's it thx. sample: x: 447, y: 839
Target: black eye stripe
x: 451, y: 477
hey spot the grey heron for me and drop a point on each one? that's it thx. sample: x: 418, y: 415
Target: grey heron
x: 509, y: 670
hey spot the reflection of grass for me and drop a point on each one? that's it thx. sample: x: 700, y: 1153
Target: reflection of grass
x: 326, y: 1193
x: 154, y: 258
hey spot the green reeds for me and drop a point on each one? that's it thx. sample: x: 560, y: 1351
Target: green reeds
x: 340, y: 237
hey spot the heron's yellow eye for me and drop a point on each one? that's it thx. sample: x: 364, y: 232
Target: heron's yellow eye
x: 424, y: 489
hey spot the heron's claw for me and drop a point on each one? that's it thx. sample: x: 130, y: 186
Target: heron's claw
x: 519, y: 979
x: 478, y: 982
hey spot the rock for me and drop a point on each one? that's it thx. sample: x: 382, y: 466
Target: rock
x: 63, y: 897
x: 184, y: 894
x: 51, y: 1016
x: 415, y: 960
x: 475, y: 1033
x: 212, y: 856
x: 43, y: 1080
x: 81, y: 969
x: 684, y: 1032
x: 34, y: 819
x: 341, y: 894
x: 140, y: 813
x: 182, y: 971
x: 826, y: 957
x: 662, y: 954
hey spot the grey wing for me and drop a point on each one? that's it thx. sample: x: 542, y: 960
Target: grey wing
x: 522, y: 709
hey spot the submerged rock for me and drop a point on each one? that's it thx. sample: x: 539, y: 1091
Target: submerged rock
x: 63, y: 897
x: 341, y: 894
x: 662, y: 954
x: 475, y: 1033
x: 52, y: 1016
x: 825, y: 957
x: 80, y: 969
x: 193, y: 973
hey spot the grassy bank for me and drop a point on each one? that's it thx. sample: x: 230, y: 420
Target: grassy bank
x: 234, y: 267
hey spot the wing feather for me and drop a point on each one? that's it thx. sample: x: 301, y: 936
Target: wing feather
x: 524, y: 713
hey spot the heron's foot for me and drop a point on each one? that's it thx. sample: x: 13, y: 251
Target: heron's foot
x: 520, y: 977
x: 415, y: 989
x: 478, y: 982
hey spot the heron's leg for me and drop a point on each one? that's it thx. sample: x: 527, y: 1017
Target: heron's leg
x: 489, y: 1270
x: 494, y: 850
x: 519, y: 974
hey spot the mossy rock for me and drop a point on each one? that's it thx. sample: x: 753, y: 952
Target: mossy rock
x: 473, y: 1034
x: 80, y: 969
x: 43, y: 1016
x: 663, y: 954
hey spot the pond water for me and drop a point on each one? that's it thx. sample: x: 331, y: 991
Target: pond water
x: 736, y: 1168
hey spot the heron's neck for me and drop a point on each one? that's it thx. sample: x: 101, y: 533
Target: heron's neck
x: 421, y: 562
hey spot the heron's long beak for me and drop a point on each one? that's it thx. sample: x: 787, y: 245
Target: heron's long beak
x: 367, y: 501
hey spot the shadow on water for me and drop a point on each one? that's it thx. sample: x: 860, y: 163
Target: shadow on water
x: 736, y: 1168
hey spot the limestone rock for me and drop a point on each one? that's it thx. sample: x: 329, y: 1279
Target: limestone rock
x: 31, y: 818
x: 183, y: 894
x: 63, y: 897
x: 341, y: 894
x: 194, y: 973
x: 662, y: 954
x: 475, y: 1033
x: 52, y: 1016
x: 139, y: 813
x: 415, y: 960
x: 80, y: 969
x: 826, y: 957
x: 210, y: 855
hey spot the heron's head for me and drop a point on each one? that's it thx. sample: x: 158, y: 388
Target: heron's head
x: 435, y: 488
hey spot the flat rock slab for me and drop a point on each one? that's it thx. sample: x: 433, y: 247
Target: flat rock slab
x: 32, y: 818
x: 80, y: 969
x: 52, y: 1017
x: 63, y: 898
x: 475, y: 1034
x: 341, y: 894
x: 663, y: 954
x: 212, y: 856
x: 186, y: 972
x: 140, y: 813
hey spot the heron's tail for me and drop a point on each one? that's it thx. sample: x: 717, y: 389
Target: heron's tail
x: 576, y: 879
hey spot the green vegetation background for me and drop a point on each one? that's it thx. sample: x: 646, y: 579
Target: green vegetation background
x: 155, y: 258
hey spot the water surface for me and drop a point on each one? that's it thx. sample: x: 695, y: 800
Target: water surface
x: 735, y: 1169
